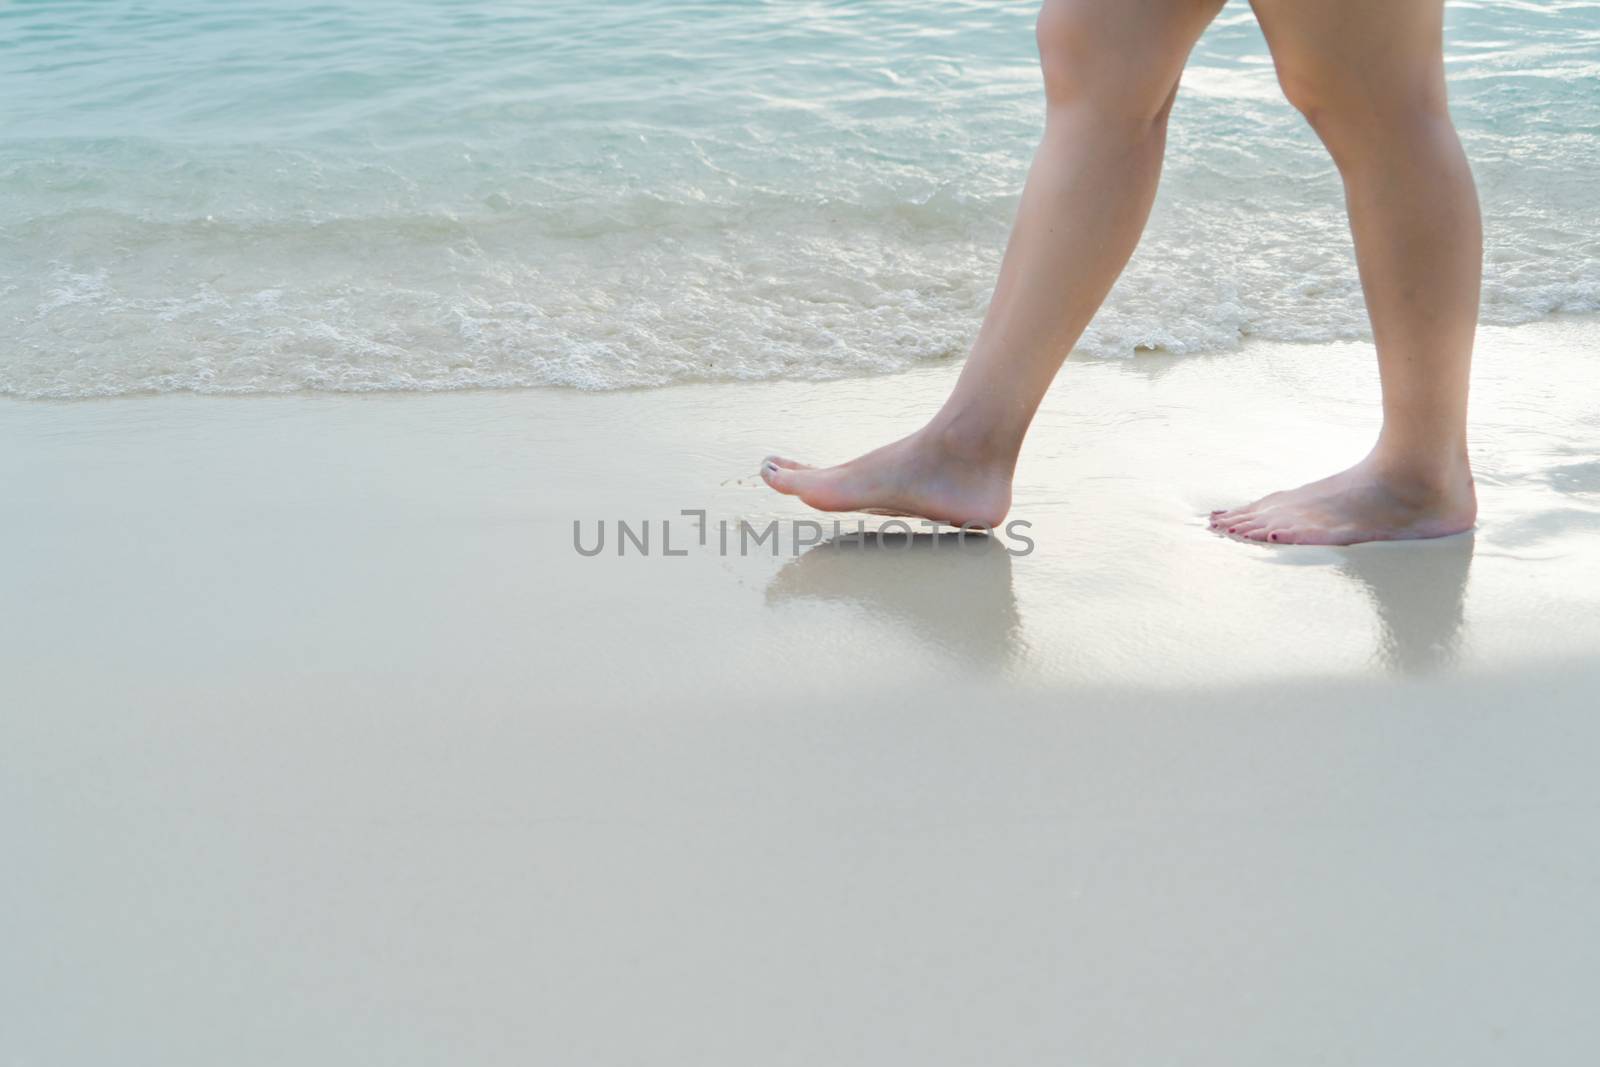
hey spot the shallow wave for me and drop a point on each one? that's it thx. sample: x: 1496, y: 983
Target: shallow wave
x: 416, y: 196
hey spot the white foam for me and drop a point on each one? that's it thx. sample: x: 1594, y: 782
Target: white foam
x: 463, y: 222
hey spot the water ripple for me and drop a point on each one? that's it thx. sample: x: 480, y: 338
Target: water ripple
x: 438, y: 194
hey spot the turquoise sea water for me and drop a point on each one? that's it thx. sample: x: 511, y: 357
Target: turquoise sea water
x: 439, y: 194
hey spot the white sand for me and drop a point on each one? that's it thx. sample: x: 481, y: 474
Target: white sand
x: 321, y: 744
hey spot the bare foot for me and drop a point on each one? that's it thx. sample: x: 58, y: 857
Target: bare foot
x: 922, y: 476
x: 1360, y: 504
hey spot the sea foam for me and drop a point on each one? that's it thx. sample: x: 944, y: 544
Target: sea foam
x: 417, y: 196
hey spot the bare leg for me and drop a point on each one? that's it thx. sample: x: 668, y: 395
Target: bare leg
x: 1369, y: 76
x: 1111, y: 70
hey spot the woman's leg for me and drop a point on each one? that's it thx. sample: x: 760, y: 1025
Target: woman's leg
x: 1111, y: 70
x: 1369, y: 76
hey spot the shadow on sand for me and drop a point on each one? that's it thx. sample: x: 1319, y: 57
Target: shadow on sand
x: 1418, y: 589
x: 952, y: 590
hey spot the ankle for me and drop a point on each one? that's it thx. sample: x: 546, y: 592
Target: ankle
x: 1423, y: 474
x: 974, y: 438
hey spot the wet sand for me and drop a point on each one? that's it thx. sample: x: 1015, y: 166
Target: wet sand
x: 322, y: 742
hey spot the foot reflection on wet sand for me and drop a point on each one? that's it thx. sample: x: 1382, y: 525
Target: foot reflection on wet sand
x: 1418, y: 589
x: 953, y: 590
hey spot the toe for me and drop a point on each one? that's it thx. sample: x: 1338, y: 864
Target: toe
x: 1299, y: 533
x: 779, y: 477
x: 1275, y: 526
x: 814, y: 486
x: 1325, y: 535
x: 786, y: 463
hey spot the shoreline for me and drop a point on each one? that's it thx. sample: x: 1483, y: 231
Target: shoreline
x: 1562, y: 321
x: 1122, y: 586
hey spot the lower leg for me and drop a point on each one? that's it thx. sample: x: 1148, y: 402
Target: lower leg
x: 1111, y: 70
x: 1419, y: 244
x: 1369, y: 76
x: 1080, y: 216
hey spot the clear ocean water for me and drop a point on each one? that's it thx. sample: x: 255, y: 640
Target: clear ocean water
x: 278, y: 195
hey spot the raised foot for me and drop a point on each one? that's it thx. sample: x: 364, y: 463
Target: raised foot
x: 921, y: 476
x: 1360, y: 504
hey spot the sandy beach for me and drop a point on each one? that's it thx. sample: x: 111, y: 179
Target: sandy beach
x: 324, y: 743
x: 403, y: 662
